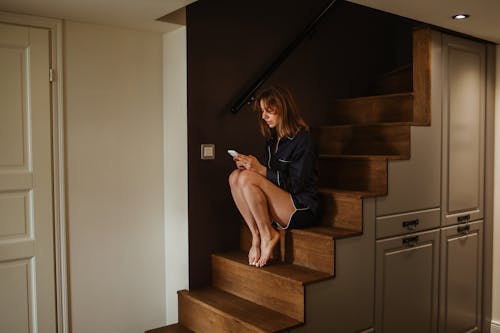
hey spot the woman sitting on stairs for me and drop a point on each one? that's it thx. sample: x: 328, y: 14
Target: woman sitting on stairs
x: 283, y: 189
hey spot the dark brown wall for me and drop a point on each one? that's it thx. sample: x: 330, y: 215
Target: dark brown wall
x: 229, y: 44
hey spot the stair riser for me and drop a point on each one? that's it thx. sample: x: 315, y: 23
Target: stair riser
x: 310, y: 251
x: 398, y: 108
x: 342, y: 212
x: 364, y: 140
x: 201, y: 318
x: 256, y: 285
x: 355, y: 175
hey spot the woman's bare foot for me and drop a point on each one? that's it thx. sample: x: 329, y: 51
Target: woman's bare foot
x: 267, y: 246
x: 254, y: 254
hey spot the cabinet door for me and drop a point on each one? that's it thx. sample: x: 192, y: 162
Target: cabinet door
x: 463, y: 129
x: 461, y: 272
x: 406, y: 297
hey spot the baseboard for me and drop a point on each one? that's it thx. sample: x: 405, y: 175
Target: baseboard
x: 495, y: 327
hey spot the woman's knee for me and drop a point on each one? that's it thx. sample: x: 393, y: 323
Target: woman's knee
x: 246, y: 178
x: 233, y: 178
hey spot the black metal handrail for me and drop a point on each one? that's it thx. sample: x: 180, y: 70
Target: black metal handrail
x: 248, y: 96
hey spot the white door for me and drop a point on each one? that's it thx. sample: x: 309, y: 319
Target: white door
x: 27, y: 283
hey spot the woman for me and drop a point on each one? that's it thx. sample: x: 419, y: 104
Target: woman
x: 283, y: 189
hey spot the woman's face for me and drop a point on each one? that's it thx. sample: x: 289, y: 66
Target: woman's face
x: 269, y: 114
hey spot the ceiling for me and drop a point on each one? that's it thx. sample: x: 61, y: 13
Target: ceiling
x: 483, y: 22
x: 135, y: 14
x: 143, y: 14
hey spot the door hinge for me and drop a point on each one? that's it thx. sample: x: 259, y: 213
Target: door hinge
x: 51, y: 75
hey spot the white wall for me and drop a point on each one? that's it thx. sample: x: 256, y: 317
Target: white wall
x: 496, y: 212
x: 114, y: 164
x: 176, y: 186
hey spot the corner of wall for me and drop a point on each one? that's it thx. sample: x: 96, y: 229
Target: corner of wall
x: 496, y: 212
x: 175, y: 168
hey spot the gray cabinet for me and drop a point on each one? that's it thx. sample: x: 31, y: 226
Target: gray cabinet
x: 461, y: 274
x: 463, y: 96
x: 431, y: 281
x: 406, y: 287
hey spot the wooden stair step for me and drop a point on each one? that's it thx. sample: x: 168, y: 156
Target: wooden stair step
x: 299, y: 250
x: 364, y: 139
x: 314, y: 247
x: 362, y: 157
x: 396, y: 81
x: 373, y: 109
x: 264, y: 286
x: 175, y: 328
x: 341, y: 210
x: 362, y: 175
x: 214, y: 310
x: 349, y: 193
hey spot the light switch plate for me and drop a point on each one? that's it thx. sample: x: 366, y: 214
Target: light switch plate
x: 207, y: 151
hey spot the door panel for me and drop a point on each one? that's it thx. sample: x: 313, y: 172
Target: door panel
x: 461, y: 273
x: 27, y: 281
x: 407, y: 283
x: 463, y: 130
x: 16, y: 293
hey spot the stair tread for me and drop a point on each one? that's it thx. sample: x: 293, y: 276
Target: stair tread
x: 375, y: 96
x: 348, y: 193
x: 366, y: 157
x: 300, y: 274
x: 175, y: 328
x: 241, y: 310
x: 328, y: 231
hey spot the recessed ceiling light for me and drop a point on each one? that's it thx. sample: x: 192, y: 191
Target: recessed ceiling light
x: 460, y: 16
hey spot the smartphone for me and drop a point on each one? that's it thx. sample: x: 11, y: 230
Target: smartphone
x: 233, y: 153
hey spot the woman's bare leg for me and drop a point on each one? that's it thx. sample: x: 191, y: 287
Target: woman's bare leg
x: 266, y: 202
x: 239, y: 200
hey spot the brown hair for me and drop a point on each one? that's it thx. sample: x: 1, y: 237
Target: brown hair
x: 281, y: 101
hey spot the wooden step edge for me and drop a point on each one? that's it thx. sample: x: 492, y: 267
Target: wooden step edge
x: 363, y: 157
x: 296, y: 274
x: 240, y: 310
x: 328, y: 232
x: 347, y: 193
x: 384, y: 96
x: 174, y: 328
x: 353, y: 193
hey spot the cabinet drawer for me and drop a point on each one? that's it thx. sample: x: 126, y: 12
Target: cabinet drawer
x: 401, y: 224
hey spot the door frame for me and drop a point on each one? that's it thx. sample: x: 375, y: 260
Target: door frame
x: 55, y: 28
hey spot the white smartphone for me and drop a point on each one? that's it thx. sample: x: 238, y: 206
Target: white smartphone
x: 233, y: 153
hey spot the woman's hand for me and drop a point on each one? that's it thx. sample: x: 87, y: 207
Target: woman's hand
x: 249, y: 162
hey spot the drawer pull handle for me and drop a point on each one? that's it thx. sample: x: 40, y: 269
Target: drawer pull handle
x: 411, y: 225
x: 410, y: 241
x: 463, y: 219
x: 463, y: 230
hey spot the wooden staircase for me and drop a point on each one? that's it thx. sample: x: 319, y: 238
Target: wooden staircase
x: 364, y: 134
